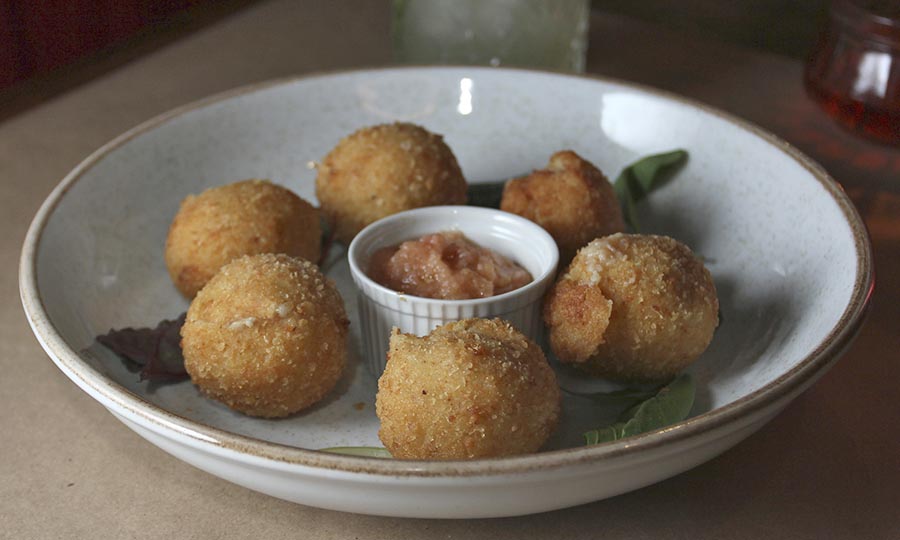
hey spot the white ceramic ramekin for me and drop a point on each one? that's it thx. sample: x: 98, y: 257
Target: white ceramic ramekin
x: 512, y: 236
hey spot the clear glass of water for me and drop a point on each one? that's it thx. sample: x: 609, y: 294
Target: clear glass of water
x: 547, y: 34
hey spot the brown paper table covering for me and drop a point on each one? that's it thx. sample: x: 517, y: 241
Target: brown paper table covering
x: 827, y: 467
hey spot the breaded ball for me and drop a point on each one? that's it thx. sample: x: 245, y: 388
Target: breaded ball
x: 266, y: 336
x: 571, y: 199
x: 474, y: 388
x: 381, y: 170
x: 632, y: 307
x: 244, y: 218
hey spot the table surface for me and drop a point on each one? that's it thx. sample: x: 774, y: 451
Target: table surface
x: 827, y: 467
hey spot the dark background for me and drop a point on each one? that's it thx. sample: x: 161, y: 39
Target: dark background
x: 786, y: 27
x: 41, y: 37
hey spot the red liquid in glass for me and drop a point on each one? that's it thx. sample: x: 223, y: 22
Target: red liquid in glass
x: 854, y: 70
x: 867, y: 119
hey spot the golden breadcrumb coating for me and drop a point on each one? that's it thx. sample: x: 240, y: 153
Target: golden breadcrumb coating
x: 571, y: 199
x: 381, y: 170
x: 243, y: 218
x: 267, y: 335
x: 632, y: 307
x: 474, y: 388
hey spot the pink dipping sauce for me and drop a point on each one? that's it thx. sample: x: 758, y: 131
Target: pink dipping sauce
x: 447, y: 266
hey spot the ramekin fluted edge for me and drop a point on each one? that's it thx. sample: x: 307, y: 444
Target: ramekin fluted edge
x: 382, y: 309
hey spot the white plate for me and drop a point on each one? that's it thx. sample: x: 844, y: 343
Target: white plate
x: 789, y: 254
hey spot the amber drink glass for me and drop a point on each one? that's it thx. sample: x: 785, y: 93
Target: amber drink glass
x: 854, y: 69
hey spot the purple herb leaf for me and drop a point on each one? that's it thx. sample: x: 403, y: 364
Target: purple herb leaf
x: 156, y: 350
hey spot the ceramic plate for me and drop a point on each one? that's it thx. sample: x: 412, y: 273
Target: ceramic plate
x: 788, y: 253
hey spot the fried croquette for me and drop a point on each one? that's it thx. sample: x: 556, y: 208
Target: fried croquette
x: 243, y: 218
x: 632, y: 307
x: 266, y: 335
x: 571, y: 199
x: 381, y: 170
x: 474, y: 388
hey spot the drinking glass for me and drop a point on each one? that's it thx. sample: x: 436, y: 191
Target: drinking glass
x: 854, y: 69
x: 547, y: 34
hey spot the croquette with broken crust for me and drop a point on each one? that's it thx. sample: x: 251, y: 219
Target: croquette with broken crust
x: 474, y: 388
x: 267, y: 335
x: 571, y: 199
x: 381, y: 170
x: 243, y: 218
x: 632, y: 307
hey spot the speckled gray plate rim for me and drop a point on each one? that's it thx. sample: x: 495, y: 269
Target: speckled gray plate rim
x: 784, y: 387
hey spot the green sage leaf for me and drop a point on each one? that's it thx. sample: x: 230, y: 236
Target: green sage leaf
x: 625, y: 397
x: 671, y: 404
x: 364, y: 451
x: 487, y: 195
x: 637, y: 180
